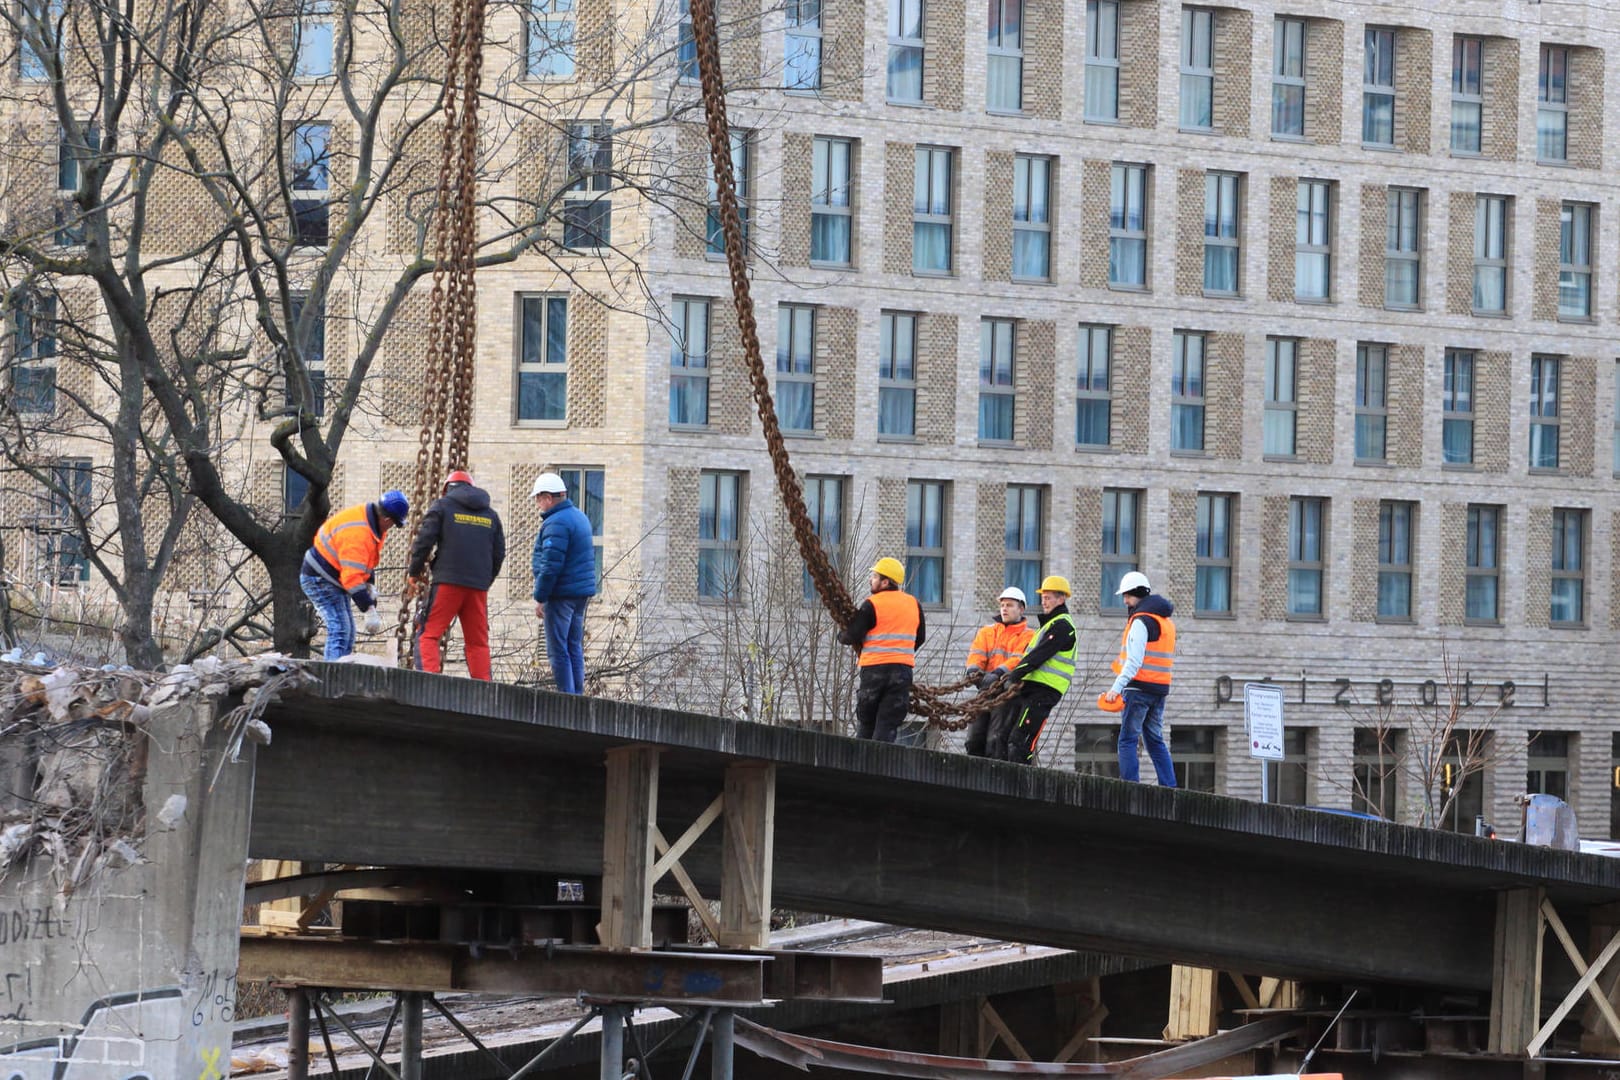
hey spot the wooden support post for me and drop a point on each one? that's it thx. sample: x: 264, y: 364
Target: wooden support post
x: 1516, y: 980
x: 627, y: 848
x: 1000, y: 1030
x: 1596, y: 1038
x: 745, y: 875
x: 959, y: 1028
x: 1192, y: 1003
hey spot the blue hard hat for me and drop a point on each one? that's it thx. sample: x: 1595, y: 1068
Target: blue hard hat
x: 395, y: 505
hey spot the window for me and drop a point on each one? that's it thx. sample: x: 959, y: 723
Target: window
x: 1376, y: 766
x: 1457, y: 409
x: 1378, y: 88
x: 925, y: 540
x: 1121, y: 526
x: 1313, y: 240
x: 33, y: 361
x: 1096, y: 750
x: 1545, y: 372
x: 1102, y: 60
x: 588, y: 223
x: 1197, y: 69
x: 1490, y: 253
x: 549, y: 45
x: 1467, y: 98
x: 294, y: 489
x: 720, y: 535
x: 897, y: 375
x: 1025, y: 534
x: 65, y: 551
x: 801, y: 59
x: 1552, y: 105
x: 1127, y: 226
x: 830, y: 216
x: 906, y: 50
x: 1372, y: 401
x: 311, y: 350
x: 69, y: 225
x: 1287, y: 778
x: 686, y: 63
x: 1282, y: 403
x: 1193, y: 750
x: 1212, y: 555
x: 313, y: 40
x: 1462, y: 780
x: 931, y: 209
x: 689, y: 363
x: 1480, y: 601
x: 996, y: 395
x: 1288, y: 78
x: 1547, y: 766
x: 1004, y: 75
x: 1403, y: 249
x: 1187, y: 392
x: 1307, y: 537
x: 30, y: 61
x: 739, y: 179
x: 1616, y: 441
x: 1568, y: 567
x: 311, y: 183
x: 543, y: 359
x: 586, y: 487
x: 1093, y: 399
x: 1396, y: 524
x: 1032, y: 217
x: 1221, y: 233
x: 824, y: 500
x: 1575, y: 260
x: 1614, y: 785
x: 796, y: 367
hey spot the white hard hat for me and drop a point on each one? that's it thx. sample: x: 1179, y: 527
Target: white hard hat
x: 549, y: 483
x: 1133, y: 580
x: 1013, y: 592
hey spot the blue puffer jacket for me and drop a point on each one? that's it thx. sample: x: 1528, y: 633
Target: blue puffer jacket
x: 564, y: 559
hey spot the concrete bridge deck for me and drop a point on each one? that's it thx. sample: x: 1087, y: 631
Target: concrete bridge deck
x: 383, y: 767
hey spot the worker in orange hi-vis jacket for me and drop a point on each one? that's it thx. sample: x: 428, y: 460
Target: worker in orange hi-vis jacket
x: 997, y: 648
x: 339, y: 568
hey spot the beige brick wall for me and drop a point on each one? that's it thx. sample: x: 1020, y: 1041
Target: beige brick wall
x: 890, y: 527
x: 1274, y: 557
x: 990, y: 548
x: 1453, y: 572
x: 1364, y: 560
x: 1280, y: 235
x: 398, y: 377
x: 680, y: 531
x: 1324, y: 81
x: 1493, y: 400
x: 731, y: 405
x: 521, y: 517
x: 689, y: 190
x: 835, y: 372
x: 1190, y: 231
x: 899, y: 180
x: 1577, y: 403
x: 1544, y: 259
x: 1537, y: 567
x: 401, y: 475
x: 794, y: 249
x: 594, y: 40
x: 1614, y: 579
x: 936, y: 379
x: 408, y: 206
x: 1374, y: 242
x: 588, y: 350
x: 1085, y: 572
x: 1180, y: 566
x: 843, y: 49
x: 998, y: 211
x: 1318, y: 367
x: 943, y: 31
x: 1414, y: 88
x: 1223, y: 390
x: 1460, y: 253
x: 1234, y: 59
x: 1043, y: 59
x: 1036, y: 360
x: 1406, y: 381
x: 1094, y: 177
x: 741, y: 58
x: 1139, y: 63
x: 1129, y: 411
x: 1586, y: 108
x: 1499, y: 86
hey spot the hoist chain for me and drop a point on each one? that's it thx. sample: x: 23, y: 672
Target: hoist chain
x: 930, y: 702
x: 453, y: 302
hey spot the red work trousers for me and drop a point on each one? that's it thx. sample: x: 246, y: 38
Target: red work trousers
x: 471, y: 606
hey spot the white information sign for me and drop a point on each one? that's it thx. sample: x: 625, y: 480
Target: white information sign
x: 1263, y: 717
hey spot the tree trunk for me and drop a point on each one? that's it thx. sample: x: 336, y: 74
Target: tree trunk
x: 293, y: 617
x: 141, y: 649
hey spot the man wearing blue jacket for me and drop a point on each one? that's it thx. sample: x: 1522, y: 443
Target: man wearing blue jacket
x: 564, y: 565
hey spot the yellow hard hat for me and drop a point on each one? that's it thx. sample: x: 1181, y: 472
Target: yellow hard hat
x: 1057, y: 583
x: 893, y: 569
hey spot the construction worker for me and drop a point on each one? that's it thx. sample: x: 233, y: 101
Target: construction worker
x: 887, y: 631
x: 1147, y: 652
x: 564, y: 565
x: 463, y: 534
x: 1046, y: 671
x: 997, y: 647
x: 341, y: 565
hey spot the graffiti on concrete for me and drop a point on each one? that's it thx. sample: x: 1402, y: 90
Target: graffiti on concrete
x: 21, y: 924
x: 93, y: 1046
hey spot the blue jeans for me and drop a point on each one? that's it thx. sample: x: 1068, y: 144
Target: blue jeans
x: 333, y: 604
x: 1143, y: 718
x: 565, y: 641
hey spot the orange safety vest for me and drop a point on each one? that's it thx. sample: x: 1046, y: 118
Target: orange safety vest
x: 893, y: 638
x: 347, y: 542
x: 1159, y: 656
x: 999, y: 645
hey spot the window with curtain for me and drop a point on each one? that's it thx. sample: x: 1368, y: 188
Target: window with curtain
x: 1197, y: 69
x: 542, y: 374
x: 1221, y: 236
x: 1004, y: 69
x: 1288, y: 78
x: 741, y: 180
x: 1396, y: 527
x: 1403, y: 249
x: 1093, y: 396
x: 1545, y: 383
x: 1378, y: 87
x: 830, y: 201
x: 931, y: 210
x: 796, y: 367
x: 1121, y: 533
x: 1313, y: 241
x: 1490, y: 254
x: 1187, y: 391
x: 1032, y: 217
x: 720, y: 517
x: 689, y: 363
x: 1372, y: 402
x: 1307, y: 543
x: 549, y: 39
x: 1575, y: 260
x: 1457, y: 409
x: 801, y: 46
x: 1552, y: 105
x: 1480, y: 580
x: 925, y: 541
x: 1212, y: 554
x: 1467, y: 97
x: 1127, y: 226
x: 1568, y: 567
x: 997, y: 338
x: 1102, y: 60
x: 897, y: 374
x: 905, y: 74
x: 1280, y: 421
x: 1024, y: 533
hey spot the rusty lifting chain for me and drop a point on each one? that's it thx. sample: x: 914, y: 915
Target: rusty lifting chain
x: 453, y: 303
x: 931, y: 702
